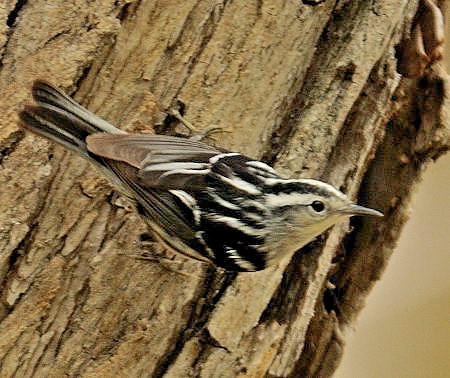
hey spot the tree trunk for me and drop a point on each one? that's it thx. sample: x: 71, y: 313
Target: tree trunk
x: 312, y: 87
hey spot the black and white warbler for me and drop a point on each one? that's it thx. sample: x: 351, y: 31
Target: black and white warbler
x: 210, y: 205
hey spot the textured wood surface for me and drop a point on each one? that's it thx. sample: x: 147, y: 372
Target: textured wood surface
x: 311, y: 87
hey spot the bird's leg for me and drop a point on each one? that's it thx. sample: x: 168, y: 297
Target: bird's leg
x: 194, y: 133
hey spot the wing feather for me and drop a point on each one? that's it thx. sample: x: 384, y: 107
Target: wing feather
x: 163, y: 161
x: 161, y: 207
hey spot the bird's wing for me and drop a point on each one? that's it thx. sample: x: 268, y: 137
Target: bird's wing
x: 177, y: 163
x: 163, y: 161
x: 168, y: 213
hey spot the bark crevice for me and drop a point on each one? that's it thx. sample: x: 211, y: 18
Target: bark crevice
x: 14, y: 13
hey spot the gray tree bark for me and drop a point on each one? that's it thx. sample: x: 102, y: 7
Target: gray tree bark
x: 312, y: 87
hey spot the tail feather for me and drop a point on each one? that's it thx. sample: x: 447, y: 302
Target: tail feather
x: 45, y: 94
x: 33, y: 121
x: 59, y: 118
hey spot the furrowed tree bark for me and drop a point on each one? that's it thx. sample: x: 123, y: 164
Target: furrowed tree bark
x: 312, y: 87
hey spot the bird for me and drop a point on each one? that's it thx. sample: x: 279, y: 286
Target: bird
x: 204, y: 202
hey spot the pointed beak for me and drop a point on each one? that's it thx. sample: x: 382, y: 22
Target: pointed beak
x: 353, y: 209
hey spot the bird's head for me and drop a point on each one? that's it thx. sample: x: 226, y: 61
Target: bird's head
x: 308, y: 207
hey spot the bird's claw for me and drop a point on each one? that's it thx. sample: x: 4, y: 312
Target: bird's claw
x: 195, y: 134
x: 206, y: 133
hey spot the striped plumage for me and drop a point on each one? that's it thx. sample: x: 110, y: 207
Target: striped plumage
x: 202, y: 202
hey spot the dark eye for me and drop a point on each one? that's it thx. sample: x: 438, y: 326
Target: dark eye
x: 318, y: 206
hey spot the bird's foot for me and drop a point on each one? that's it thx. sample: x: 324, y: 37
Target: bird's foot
x: 195, y: 134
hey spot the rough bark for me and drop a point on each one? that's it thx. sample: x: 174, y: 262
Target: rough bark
x: 310, y: 86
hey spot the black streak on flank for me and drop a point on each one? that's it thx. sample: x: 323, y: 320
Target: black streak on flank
x: 215, y: 207
x: 242, y: 243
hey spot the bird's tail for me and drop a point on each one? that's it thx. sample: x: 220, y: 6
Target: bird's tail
x: 59, y: 118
